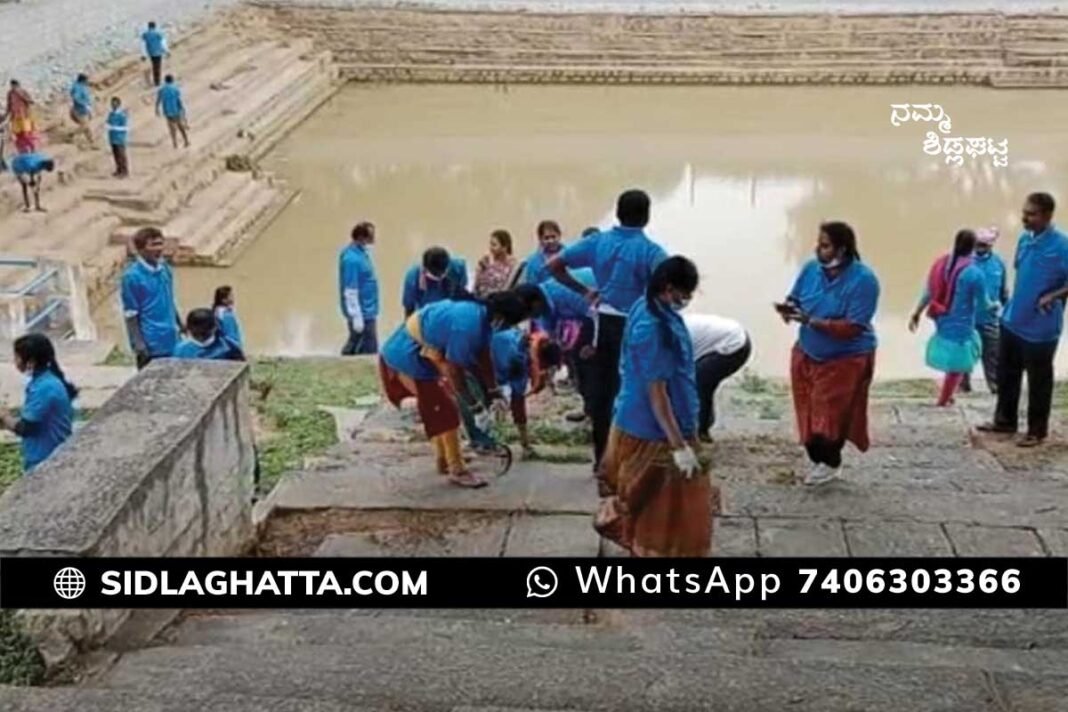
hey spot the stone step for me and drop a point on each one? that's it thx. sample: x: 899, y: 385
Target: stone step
x: 275, y: 127
x: 80, y: 699
x: 203, y: 205
x: 217, y: 236
x: 399, y: 663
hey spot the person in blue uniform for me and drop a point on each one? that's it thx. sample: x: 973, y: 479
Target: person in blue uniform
x: 155, y: 47
x: 47, y: 416
x: 147, y: 289
x: 81, y: 105
x: 523, y: 363
x: 223, y: 306
x: 953, y: 297
x: 988, y: 321
x: 536, y: 267
x: 358, y: 285
x: 429, y: 356
x: 1032, y: 323
x: 622, y: 259
x: 834, y: 300
x: 28, y: 169
x: 118, y: 134
x: 657, y: 496
x: 439, y: 276
x: 169, y: 104
x: 206, y: 340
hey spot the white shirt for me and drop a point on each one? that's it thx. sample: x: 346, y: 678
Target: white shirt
x: 714, y: 334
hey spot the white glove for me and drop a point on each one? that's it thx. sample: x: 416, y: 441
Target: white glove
x: 686, y: 461
x: 352, y: 306
x: 357, y: 323
x: 506, y: 393
x: 483, y: 420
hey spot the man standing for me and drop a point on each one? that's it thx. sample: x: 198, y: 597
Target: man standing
x: 152, y: 320
x: 995, y: 285
x: 28, y: 168
x: 118, y: 130
x: 1031, y: 326
x: 623, y: 260
x: 155, y: 47
x: 169, y: 103
x: 359, y: 292
x: 81, y: 108
x: 720, y: 347
x: 440, y: 276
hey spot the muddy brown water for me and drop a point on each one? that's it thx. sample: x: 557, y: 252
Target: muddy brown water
x: 740, y: 179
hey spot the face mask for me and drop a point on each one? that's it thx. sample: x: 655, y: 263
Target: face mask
x: 434, y: 278
x: 680, y: 305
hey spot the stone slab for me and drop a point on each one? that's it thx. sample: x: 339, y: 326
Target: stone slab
x: 483, y: 539
x: 734, y: 536
x: 971, y: 540
x: 346, y: 420
x: 800, y: 537
x: 552, y: 535
x: 1031, y: 693
x: 1056, y: 540
x: 896, y: 539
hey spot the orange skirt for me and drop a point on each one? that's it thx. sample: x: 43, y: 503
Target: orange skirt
x: 831, y: 397
x: 652, y: 510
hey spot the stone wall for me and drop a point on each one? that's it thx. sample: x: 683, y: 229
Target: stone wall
x: 164, y: 468
x: 437, y: 45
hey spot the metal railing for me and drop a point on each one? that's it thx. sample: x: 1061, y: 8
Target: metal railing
x: 47, y: 296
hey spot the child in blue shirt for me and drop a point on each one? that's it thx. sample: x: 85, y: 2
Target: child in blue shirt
x: 81, y: 109
x: 205, y: 340
x: 225, y: 316
x: 118, y: 132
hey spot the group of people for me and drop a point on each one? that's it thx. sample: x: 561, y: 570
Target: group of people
x: 30, y: 162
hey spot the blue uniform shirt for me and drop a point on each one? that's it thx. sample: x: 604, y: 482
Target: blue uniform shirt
x: 28, y: 163
x: 82, y: 98
x: 229, y: 325
x: 460, y: 330
x: 969, y: 301
x: 154, y: 42
x: 561, y: 303
x: 48, y: 411
x: 219, y: 348
x: 356, y: 271
x: 650, y: 355
x: 118, y: 127
x: 413, y: 298
x: 853, y: 295
x: 1041, y: 267
x: 536, y: 270
x: 170, y: 100
x: 994, y: 275
x: 148, y: 294
x: 511, y: 359
x: 622, y: 259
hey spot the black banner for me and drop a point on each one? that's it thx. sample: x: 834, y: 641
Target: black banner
x: 534, y: 583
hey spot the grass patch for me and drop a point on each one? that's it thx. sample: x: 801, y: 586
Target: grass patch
x: 120, y: 357
x: 904, y: 388
x: 20, y: 663
x: 560, y: 457
x: 546, y: 434
x: 10, y: 465
x: 286, y: 394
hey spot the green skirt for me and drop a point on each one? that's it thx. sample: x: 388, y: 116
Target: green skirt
x: 954, y: 356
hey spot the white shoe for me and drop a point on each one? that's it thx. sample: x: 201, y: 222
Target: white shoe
x: 820, y: 474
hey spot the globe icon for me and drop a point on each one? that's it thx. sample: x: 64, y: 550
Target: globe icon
x: 69, y: 583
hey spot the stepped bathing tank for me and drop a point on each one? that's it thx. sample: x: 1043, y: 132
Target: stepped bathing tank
x: 512, y: 121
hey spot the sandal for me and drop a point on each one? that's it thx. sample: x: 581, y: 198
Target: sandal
x: 467, y: 479
x: 1029, y: 441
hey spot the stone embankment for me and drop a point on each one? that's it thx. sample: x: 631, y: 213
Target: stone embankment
x: 244, y: 88
x: 437, y: 45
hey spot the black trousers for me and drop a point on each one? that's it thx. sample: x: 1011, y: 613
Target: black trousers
x: 604, y: 385
x: 122, y: 165
x: 713, y: 369
x: 365, y: 342
x: 583, y: 368
x: 828, y: 452
x: 157, y: 70
x: 1016, y: 357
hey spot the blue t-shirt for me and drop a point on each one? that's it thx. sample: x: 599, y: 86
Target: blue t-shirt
x: 28, y: 163
x: 622, y: 259
x: 357, y: 271
x: 536, y: 270
x: 561, y: 303
x: 455, y: 280
x: 48, y: 410
x: 154, y: 42
x: 170, y: 101
x: 460, y: 330
x: 511, y: 359
x: 82, y: 98
x: 229, y: 325
x: 118, y: 127
x: 1041, y: 267
x: 993, y: 269
x: 219, y: 348
x: 969, y: 300
x: 148, y: 294
x: 853, y: 295
x: 655, y: 348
